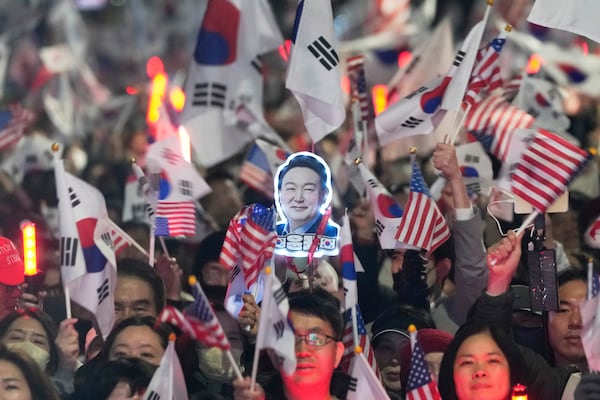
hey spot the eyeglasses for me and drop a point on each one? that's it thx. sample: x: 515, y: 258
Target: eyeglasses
x: 314, y: 339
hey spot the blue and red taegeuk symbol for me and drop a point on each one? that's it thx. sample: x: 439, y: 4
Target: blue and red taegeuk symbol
x: 218, y: 36
x: 347, y: 259
x: 431, y: 100
x: 575, y: 74
x: 469, y: 172
x: 94, y: 259
x: 388, y: 206
x: 164, y: 186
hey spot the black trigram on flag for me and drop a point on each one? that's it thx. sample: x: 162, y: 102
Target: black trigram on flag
x: 379, y: 227
x: 235, y: 272
x: 352, y: 383
x: 149, y: 210
x: 209, y: 94
x: 185, y: 187
x: 324, y: 53
x: 279, y: 327
x: 142, y: 181
x: 373, y: 183
x: 68, y: 251
x: 257, y: 64
x: 412, y: 122
x: 473, y: 187
x: 416, y: 92
x: 74, y: 199
x: 107, y: 240
x: 279, y: 295
x: 103, y: 291
x: 459, y: 58
x: 153, y: 396
x: 31, y: 159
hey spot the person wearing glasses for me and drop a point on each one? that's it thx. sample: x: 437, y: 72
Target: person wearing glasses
x: 318, y: 326
x: 12, y: 276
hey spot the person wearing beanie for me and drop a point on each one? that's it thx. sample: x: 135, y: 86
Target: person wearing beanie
x: 12, y: 275
x: 434, y: 343
x: 389, y: 335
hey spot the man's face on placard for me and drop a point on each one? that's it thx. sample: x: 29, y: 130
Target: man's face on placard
x: 300, y: 195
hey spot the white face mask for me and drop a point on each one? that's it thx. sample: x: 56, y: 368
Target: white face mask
x: 215, y: 364
x: 40, y: 355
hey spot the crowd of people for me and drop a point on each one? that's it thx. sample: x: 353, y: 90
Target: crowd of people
x: 469, y: 299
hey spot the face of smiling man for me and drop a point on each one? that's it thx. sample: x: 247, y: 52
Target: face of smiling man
x: 300, y: 196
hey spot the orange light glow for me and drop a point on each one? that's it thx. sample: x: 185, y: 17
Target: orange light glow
x: 29, y: 248
x: 157, y: 93
x: 345, y: 84
x: 177, y: 98
x: 284, y: 50
x: 154, y: 66
x: 534, y: 64
x: 379, y: 94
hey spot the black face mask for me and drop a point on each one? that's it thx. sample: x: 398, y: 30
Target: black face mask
x: 215, y: 294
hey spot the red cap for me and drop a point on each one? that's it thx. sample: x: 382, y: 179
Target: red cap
x: 12, y: 271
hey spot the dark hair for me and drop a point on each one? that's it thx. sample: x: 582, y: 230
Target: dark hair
x: 511, y: 351
x: 161, y: 329
x: 133, y: 268
x: 46, y: 322
x: 39, y: 385
x: 319, y: 303
x: 397, y: 319
x: 307, y: 161
x: 571, y: 274
x: 208, y: 250
x: 135, y: 372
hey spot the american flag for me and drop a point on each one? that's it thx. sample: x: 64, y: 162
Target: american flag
x: 422, y: 224
x: 356, y: 73
x: 257, y: 241
x: 546, y: 168
x: 486, y: 73
x: 493, y: 121
x: 175, y: 218
x: 209, y: 332
x: 348, y: 268
x: 12, y: 124
x: 364, y: 342
x: 250, y: 238
x: 420, y: 386
x: 260, y: 165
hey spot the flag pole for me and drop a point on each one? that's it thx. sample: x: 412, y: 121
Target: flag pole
x: 527, y: 222
x: 163, y: 245
x: 355, y: 330
x: 590, y: 277
x: 267, y: 295
x: 151, y: 243
x: 55, y: 149
x: 461, y: 122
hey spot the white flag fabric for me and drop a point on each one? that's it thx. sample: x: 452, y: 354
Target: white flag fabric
x: 432, y: 59
x: 167, y: 382
x: 237, y: 288
x: 476, y: 168
x: 4, y: 56
x: 577, y: 16
x: 275, y: 330
x: 463, y: 66
x: 224, y: 89
x: 364, y: 384
x: 590, y: 333
x: 178, y: 184
x: 87, y: 256
x: 388, y: 213
x: 314, y: 74
x: 134, y: 203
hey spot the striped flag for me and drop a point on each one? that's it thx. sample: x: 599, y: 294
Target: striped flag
x: 493, y: 122
x: 356, y: 73
x: 423, y: 225
x: 249, y: 241
x: 363, y: 341
x: 178, y: 184
x: 486, y: 73
x: 209, y: 333
x: 260, y: 166
x: 420, y: 385
x: 348, y: 269
x: 546, y: 168
x: 13, y: 122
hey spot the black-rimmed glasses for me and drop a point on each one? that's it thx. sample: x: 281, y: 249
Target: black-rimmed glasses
x: 314, y: 339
